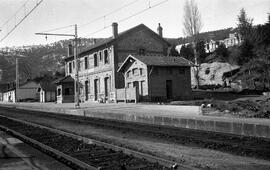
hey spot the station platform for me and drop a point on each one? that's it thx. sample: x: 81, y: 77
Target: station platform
x: 163, y: 115
x: 15, y: 154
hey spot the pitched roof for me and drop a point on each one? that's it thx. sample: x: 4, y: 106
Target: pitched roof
x: 161, y: 61
x: 110, y: 40
x: 67, y: 79
x: 48, y: 86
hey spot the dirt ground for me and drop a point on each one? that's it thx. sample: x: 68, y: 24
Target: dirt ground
x: 194, y: 156
x: 244, y: 107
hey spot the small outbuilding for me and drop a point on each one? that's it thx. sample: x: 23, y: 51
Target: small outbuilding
x: 65, y: 90
x: 27, y: 91
x: 9, y: 95
x: 158, y: 78
x: 46, y: 92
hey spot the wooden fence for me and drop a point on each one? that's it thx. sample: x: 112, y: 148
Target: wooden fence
x: 127, y: 94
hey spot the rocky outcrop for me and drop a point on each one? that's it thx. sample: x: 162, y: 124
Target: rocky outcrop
x: 212, y: 73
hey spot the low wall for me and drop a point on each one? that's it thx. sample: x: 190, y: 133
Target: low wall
x: 235, y: 126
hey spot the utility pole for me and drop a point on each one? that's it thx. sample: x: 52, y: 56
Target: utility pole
x: 76, y: 79
x: 17, y: 80
x: 76, y: 85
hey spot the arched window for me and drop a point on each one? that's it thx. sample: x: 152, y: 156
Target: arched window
x: 100, y: 56
x: 106, y: 57
x: 95, y: 60
x: 85, y: 63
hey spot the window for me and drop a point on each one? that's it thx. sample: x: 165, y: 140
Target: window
x: 100, y: 56
x: 70, y: 67
x: 106, y: 57
x: 95, y: 60
x: 142, y: 71
x: 141, y: 51
x: 85, y: 63
x: 181, y: 71
x: 128, y: 74
x: 79, y: 65
x: 58, y: 92
x: 135, y: 71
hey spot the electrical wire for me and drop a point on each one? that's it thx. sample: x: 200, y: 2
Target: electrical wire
x: 16, y: 25
x: 58, y: 28
x: 94, y: 20
x: 131, y: 16
x: 112, y: 12
x: 14, y: 15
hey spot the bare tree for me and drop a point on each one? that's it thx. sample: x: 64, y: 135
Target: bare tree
x: 192, y: 26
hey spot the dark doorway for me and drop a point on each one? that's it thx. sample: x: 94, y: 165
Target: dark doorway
x: 169, y: 89
x: 86, y: 90
x: 96, y: 88
x: 136, y: 85
x: 107, y: 84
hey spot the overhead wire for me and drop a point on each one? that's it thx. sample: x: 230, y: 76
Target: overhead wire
x: 10, y: 18
x: 109, y: 13
x: 25, y: 16
x: 128, y: 17
x: 96, y: 19
x: 58, y: 28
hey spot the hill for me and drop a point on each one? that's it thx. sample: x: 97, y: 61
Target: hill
x: 205, y: 36
x: 39, y: 59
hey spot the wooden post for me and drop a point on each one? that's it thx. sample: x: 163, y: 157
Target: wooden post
x: 17, y: 80
x: 125, y: 90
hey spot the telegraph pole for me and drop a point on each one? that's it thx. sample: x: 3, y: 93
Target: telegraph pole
x: 76, y: 85
x: 76, y: 79
x: 17, y: 80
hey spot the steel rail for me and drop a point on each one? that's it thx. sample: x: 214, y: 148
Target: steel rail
x: 46, y: 149
x: 150, y: 158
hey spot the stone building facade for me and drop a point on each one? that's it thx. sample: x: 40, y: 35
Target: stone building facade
x: 158, y: 78
x: 98, y: 65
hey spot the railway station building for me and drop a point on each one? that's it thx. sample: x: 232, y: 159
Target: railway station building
x: 98, y: 65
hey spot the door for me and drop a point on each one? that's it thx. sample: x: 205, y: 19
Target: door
x: 96, y: 88
x: 169, y: 91
x: 86, y: 90
x: 136, y: 85
x: 142, y: 91
x: 107, y: 85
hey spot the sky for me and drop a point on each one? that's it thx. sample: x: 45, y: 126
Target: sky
x: 50, y: 14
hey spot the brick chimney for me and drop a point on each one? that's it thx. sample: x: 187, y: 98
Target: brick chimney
x: 115, y: 29
x: 159, y: 30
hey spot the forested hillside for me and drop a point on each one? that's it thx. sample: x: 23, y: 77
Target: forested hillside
x: 38, y: 60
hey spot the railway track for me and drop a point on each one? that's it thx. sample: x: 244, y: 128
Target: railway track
x: 239, y: 145
x: 79, y: 152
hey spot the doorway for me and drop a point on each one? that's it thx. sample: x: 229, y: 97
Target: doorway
x: 136, y: 85
x: 107, y: 85
x: 96, y: 88
x: 169, y: 91
x: 86, y: 90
